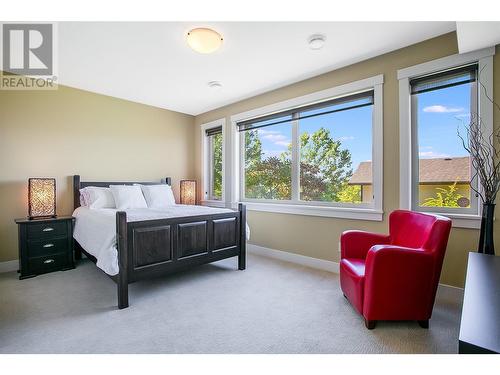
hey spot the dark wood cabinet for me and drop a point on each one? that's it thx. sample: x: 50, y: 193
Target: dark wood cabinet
x: 45, y: 245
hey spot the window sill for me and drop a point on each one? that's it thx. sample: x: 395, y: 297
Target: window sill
x: 336, y: 212
x: 213, y: 203
x: 463, y: 221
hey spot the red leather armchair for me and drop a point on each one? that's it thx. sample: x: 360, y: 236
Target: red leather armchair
x: 395, y: 276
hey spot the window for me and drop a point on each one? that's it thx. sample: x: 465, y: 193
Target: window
x: 436, y: 99
x: 213, y: 163
x: 318, y: 153
x: 441, y: 106
x: 335, y: 144
x: 268, y: 160
x: 214, y: 136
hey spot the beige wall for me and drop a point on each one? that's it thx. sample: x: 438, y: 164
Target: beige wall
x: 68, y: 131
x: 316, y: 236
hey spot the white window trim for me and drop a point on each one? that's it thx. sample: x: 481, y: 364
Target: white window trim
x: 484, y: 58
x: 374, y: 211
x: 205, y: 174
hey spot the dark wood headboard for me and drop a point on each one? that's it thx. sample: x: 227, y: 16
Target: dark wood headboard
x: 77, y: 185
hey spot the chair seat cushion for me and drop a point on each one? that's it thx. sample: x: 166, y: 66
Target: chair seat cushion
x: 352, y: 279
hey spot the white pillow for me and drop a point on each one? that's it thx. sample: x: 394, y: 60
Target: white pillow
x: 128, y: 196
x: 97, y: 197
x: 158, y: 196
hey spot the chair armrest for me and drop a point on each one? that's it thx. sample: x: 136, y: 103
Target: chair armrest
x: 387, y: 256
x: 356, y: 243
x: 400, y: 283
x: 396, y: 273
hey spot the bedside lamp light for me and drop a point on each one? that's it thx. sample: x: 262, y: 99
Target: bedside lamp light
x: 41, y: 197
x: 188, y: 191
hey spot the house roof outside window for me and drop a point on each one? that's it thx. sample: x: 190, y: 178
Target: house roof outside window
x: 434, y: 171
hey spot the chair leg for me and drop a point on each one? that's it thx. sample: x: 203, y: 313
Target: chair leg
x: 423, y: 323
x: 370, y: 324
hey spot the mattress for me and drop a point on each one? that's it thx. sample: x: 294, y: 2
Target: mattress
x: 95, y: 229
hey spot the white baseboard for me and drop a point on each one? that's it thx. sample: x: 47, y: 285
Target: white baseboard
x: 11, y: 265
x: 320, y: 264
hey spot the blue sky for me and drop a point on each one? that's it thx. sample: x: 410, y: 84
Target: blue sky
x: 439, y: 114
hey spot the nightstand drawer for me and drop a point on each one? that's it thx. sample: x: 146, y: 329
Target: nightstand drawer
x: 47, y: 247
x: 47, y: 230
x: 47, y: 263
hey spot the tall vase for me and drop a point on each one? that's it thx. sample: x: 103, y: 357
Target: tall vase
x: 486, y: 235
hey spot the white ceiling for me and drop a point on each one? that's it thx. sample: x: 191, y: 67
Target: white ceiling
x: 151, y: 63
x: 476, y: 35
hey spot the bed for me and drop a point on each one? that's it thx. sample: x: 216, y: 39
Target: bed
x: 144, y: 243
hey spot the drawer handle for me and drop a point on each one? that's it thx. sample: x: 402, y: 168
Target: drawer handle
x: 48, y: 261
x: 48, y: 245
x: 49, y: 229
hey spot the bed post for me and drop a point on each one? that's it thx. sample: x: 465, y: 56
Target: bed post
x: 76, y: 191
x: 243, y: 237
x: 76, y: 204
x: 121, y: 240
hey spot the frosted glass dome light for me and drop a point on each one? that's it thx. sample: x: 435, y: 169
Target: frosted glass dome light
x: 204, y: 40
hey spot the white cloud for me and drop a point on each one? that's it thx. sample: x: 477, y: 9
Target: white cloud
x: 347, y: 138
x: 282, y: 143
x: 462, y: 115
x: 432, y: 155
x: 442, y: 109
x: 265, y: 131
x: 271, y: 153
x: 277, y: 138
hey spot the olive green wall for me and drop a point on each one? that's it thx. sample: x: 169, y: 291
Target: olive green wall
x: 69, y: 131
x: 317, y: 236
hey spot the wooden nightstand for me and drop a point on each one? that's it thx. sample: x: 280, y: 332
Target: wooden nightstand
x: 45, y: 245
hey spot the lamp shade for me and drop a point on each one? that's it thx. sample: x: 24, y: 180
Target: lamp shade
x: 188, y: 191
x: 41, y: 197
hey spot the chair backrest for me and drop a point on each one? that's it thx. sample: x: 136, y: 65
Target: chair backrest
x: 419, y: 230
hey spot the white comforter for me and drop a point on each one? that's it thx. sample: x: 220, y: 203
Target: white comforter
x: 95, y: 229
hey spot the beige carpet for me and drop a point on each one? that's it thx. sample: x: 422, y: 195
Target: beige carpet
x: 272, y: 307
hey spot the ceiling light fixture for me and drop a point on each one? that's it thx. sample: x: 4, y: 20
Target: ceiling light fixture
x: 316, y: 41
x: 204, y: 40
x: 214, y: 84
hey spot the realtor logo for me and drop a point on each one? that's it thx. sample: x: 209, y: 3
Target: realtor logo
x: 28, y: 56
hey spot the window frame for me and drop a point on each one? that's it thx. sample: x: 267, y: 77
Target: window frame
x: 206, y: 164
x: 210, y: 178
x: 365, y: 211
x: 461, y: 217
x: 415, y: 204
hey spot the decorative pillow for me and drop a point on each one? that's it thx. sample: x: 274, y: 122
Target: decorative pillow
x: 83, y: 202
x: 97, y: 197
x: 128, y: 196
x: 158, y: 196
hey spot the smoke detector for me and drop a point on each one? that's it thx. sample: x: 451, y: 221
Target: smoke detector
x: 316, y: 41
x: 214, y: 84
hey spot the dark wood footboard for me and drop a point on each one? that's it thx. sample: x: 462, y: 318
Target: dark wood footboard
x: 157, y: 247
x: 153, y: 248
